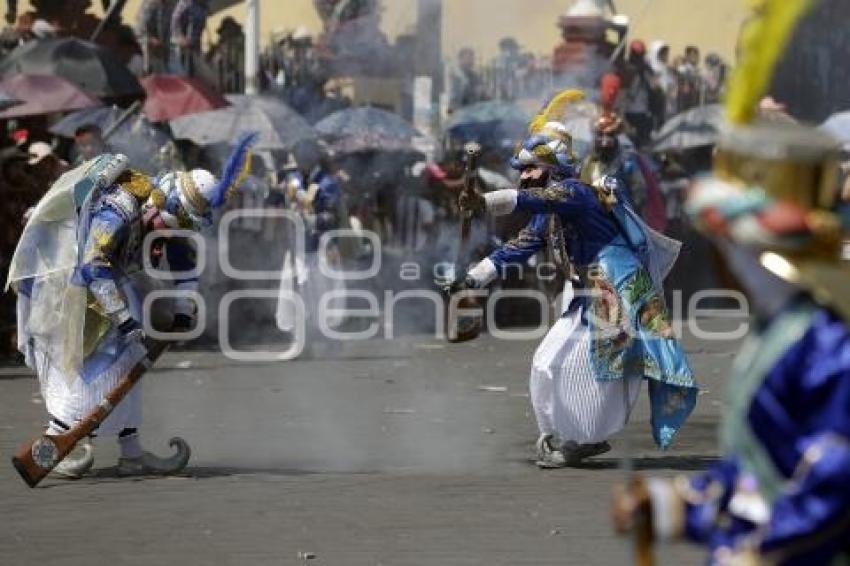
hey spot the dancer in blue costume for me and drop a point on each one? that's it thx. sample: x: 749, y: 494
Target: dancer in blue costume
x: 315, y: 195
x: 614, y: 332
x: 78, y: 274
x: 780, y: 493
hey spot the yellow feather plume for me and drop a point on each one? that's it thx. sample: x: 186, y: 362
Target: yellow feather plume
x: 763, y: 40
x: 555, y: 109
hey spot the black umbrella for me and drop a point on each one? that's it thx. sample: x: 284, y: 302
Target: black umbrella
x: 91, y: 67
x: 492, y: 123
x: 697, y: 127
x: 366, y: 129
x: 127, y: 132
x: 7, y: 101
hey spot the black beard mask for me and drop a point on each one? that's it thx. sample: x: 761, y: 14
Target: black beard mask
x: 606, y: 148
x: 530, y: 183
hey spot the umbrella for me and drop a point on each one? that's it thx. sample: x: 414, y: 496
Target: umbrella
x: 491, y: 123
x: 91, y: 67
x: 43, y: 94
x: 172, y: 96
x: 279, y: 126
x: 697, y: 127
x: 7, y: 101
x: 136, y: 137
x: 365, y: 129
x: 838, y: 126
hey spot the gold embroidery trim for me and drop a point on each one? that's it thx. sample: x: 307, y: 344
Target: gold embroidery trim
x: 193, y: 195
x: 136, y: 183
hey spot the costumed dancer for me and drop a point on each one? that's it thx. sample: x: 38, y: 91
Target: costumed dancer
x: 313, y: 192
x: 780, y: 494
x: 614, y: 331
x: 614, y: 156
x: 78, y: 275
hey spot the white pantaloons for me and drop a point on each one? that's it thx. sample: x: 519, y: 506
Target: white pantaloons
x: 70, y: 400
x: 568, y: 401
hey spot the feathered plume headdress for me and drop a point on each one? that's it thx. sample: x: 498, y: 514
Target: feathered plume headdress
x: 236, y: 169
x: 187, y: 199
x: 554, y: 110
x: 549, y: 143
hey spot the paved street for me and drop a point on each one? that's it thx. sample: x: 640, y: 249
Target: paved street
x: 409, y: 452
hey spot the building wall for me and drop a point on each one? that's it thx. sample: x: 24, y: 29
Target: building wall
x: 712, y: 25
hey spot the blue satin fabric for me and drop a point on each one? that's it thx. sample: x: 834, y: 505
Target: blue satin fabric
x: 800, y: 415
x: 617, y: 248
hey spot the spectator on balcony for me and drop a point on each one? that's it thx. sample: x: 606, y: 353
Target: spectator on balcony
x: 187, y: 28
x: 227, y: 56
x: 506, y: 69
x: 153, y: 31
x: 643, y: 98
x: 466, y: 85
x: 690, y: 80
x: 713, y: 78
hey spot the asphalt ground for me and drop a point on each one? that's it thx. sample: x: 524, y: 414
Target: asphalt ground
x: 402, y: 452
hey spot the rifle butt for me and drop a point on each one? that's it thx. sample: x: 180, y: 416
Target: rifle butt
x: 29, y: 472
x: 35, y: 460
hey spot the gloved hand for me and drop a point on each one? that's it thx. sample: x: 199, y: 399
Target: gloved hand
x: 471, y: 203
x: 460, y: 285
x: 182, y: 323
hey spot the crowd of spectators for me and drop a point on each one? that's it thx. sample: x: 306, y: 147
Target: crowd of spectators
x: 405, y: 201
x: 654, y: 86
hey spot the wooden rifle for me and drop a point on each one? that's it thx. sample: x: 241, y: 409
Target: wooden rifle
x: 463, y: 329
x: 36, y: 459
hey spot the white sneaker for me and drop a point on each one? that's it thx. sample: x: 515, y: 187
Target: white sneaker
x: 549, y: 457
x: 75, y: 468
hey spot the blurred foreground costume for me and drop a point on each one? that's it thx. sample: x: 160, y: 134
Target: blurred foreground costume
x: 78, y: 274
x: 780, y: 493
x: 614, y: 329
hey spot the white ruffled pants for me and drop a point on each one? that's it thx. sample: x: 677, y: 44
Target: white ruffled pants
x: 569, y: 402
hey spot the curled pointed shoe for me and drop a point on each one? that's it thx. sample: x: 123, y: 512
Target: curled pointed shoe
x: 73, y: 468
x: 151, y: 465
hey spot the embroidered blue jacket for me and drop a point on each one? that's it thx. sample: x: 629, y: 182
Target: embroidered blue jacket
x: 787, y: 445
x: 631, y: 331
